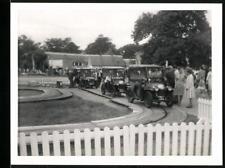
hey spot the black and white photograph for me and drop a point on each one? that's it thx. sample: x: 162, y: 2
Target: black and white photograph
x: 124, y: 80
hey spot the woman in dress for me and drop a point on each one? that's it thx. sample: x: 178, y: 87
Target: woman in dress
x: 189, y: 87
x: 179, y: 84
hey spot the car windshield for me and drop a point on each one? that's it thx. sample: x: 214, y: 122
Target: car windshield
x: 137, y: 73
x: 115, y: 73
x: 87, y: 73
x: 154, y: 73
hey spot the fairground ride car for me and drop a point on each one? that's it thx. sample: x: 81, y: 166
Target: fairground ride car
x: 146, y: 83
x: 113, y: 80
x: 88, y: 77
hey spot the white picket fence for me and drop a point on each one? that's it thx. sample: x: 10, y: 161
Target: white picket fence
x: 205, y: 109
x: 182, y: 139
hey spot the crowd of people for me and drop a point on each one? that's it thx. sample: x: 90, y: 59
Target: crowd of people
x: 189, y: 83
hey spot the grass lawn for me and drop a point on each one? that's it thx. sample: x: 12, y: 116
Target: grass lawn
x: 30, y: 92
x: 73, y: 110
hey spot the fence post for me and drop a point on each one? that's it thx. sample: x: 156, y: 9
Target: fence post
x: 140, y: 140
x: 132, y: 140
x: 97, y: 142
x: 126, y: 144
x: 158, y: 140
x: 149, y: 139
x: 183, y: 139
x: 198, y: 145
x: 34, y: 144
x: 45, y: 143
x: 175, y: 139
x: 206, y: 138
x: 107, y: 141
x: 66, y: 135
x: 77, y: 142
x: 22, y: 143
x: 167, y: 139
x: 56, y: 143
x: 87, y: 142
x: 116, y: 138
x: 191, y: 137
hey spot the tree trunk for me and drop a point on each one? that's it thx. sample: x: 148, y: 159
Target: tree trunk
x: 33, y: 62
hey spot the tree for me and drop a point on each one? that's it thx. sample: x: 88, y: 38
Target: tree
x: 30, y: 54
x: 61, y: 45
x: 174, y: 36
x: 102, y: 45
x: 129, y: 50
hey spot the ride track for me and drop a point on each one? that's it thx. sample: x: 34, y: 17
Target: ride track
x: 110, y: 98
x: 171, y: 115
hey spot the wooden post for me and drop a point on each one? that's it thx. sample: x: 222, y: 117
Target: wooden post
x: 158, y: 140
x: 45, y: 143
x: 149, y: 139
x: 66, y: 136
x: 34, y: 144
x: 22, y: 143
x: 167, y: 128
x: 77, y: 142
x: 140, y: 140
x: 97, y: 142
x: 107, y: 141
x: 116, y: 135
x: 126, y: 143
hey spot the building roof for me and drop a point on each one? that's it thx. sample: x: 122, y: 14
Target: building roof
x: 96, y: 60
x: 145, y: 65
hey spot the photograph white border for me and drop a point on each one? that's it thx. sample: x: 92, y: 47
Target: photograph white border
x: 214, y: 159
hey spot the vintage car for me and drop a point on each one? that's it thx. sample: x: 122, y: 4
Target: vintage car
x: 113, y: 80
x: 88, y: 77
x: 146, y: 83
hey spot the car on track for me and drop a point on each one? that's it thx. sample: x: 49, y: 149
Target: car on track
x: 146, y: 83
x: 88, y: 77
x: 113, y: 80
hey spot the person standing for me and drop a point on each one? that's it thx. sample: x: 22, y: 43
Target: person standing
x: 201, y: 75
x: 170, y: 76
x: 189, y: 87
x: 70, y: 77
x: 209, y: 82
x: 179, y: 84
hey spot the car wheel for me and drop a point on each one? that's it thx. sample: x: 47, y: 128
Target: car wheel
x: 169, y: 100
x: 148, y: 99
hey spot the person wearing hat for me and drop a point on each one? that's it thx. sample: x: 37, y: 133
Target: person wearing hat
x: 189, y: 87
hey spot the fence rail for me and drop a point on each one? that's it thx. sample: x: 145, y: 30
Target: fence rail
x: 183, y: 139
x: 205, y: 109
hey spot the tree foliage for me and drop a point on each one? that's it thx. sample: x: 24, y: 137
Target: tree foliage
x: 102, y: 45
x: 174, y: 36
x: 30, y: 54
x: 129, y: 50
x: 61, y: 45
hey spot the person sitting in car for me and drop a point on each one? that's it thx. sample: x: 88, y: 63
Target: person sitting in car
x: 155, y: 73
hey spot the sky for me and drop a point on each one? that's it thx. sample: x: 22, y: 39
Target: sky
x: 83, y: 23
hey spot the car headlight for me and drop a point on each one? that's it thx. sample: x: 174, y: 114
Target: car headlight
x: 155, y: 88
x: 169, y: 88
x: 121, y: 82
x: 160, y: 86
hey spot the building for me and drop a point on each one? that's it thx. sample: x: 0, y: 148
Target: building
x: 70, y: 60
x: 130, y: 61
